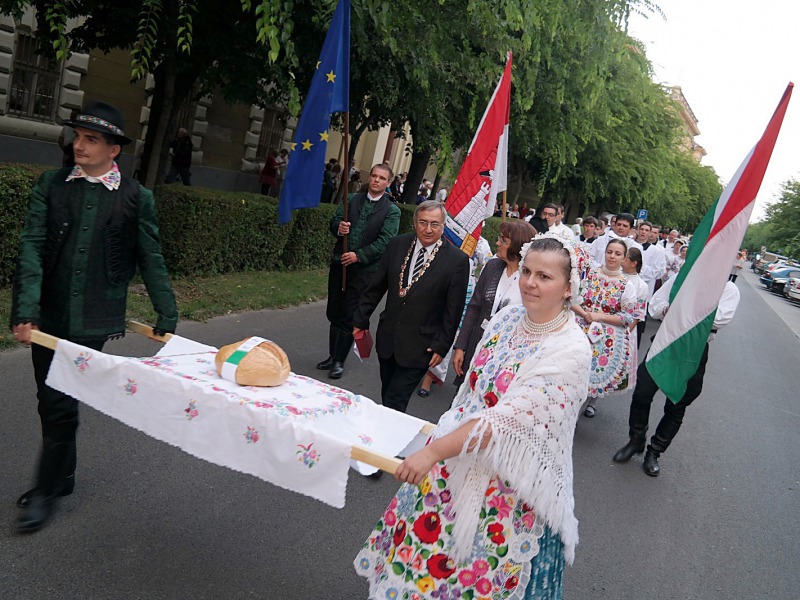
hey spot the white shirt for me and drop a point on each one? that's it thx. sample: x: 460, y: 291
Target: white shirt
x: 726, y: 308
x: 654, y: 264
x: 413, y: 260
x: 598, y: 247
x: 507, y: 291
x: 565, y: 230
x: 441, y: 195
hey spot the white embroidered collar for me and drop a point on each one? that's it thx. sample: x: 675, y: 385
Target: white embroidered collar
x: 111, y: 179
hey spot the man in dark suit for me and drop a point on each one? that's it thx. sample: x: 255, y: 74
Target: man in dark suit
x: 426, y: 280
x: 373, y: 221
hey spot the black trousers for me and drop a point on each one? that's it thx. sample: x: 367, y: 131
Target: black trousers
x: 58, y: 414
x: 670, y: 423
x: 341, y: 307
x: 398, y: 383
x: 733, y: 277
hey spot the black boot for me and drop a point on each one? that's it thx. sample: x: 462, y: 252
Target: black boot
x: 67, y: 484
x: 333, y: 335
x: 634, y: 446
x: 55, y: 461
x: 66, y: 490
x: 650, y: 465
x: 342, y: 343
x: 337, y: 370
x: 667, y: 429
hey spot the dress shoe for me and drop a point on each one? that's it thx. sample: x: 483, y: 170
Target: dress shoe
x: 651, y: 464
x: 66, y: 490
x: 325, y: 364
x: 625, y: 453
x: 337, y: 370
x: 589, y: 412
x: 35, y: 514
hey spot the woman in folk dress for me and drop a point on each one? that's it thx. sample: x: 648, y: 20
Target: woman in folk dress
x: 487, y: 507
x: 605, y: 313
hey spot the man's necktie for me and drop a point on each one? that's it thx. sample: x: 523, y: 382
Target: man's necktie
x: 419, y: 264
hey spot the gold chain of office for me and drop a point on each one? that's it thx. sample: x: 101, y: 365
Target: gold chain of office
x: 404, y: 290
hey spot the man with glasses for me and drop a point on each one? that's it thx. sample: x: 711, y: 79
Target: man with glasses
x: 552, y: 214
x: 425, y: 278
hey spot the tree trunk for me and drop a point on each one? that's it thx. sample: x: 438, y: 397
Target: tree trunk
x: 169, y: 94
x: 416, y: 172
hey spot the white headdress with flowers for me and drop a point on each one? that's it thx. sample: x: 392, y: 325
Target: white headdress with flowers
x: 579, y: 257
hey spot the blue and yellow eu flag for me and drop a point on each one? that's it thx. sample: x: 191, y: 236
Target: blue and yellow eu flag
x: 329, y: 93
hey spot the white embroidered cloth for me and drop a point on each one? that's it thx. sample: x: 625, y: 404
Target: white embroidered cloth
x: 297, y: 436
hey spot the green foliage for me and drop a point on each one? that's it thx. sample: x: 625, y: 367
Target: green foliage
x: 203, y: 232
x: 310, y: 242
x: 780, y: 230
x: 589, y: 128
x: 16, y: 182
x: 206, y: 231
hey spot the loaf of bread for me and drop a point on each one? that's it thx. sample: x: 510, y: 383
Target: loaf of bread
x: 266, y: 365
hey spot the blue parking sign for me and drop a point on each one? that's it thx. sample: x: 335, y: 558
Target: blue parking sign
x: 641, y: 214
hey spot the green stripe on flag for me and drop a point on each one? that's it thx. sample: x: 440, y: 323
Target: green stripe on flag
x: 672, y: 368
x: 236, y: 357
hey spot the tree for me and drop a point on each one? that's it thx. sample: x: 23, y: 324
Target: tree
x: 780, y: 230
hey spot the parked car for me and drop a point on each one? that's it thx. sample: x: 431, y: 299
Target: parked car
x: 792, y: 289
x: 763, y: 260
x: 776, y: 280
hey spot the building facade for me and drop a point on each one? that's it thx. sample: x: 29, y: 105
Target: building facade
x: 231, y: 141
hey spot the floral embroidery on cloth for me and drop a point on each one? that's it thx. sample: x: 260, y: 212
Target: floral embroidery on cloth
x: 130, y: 387
x: 82, y: 362
x: 251, y: 435
x: 408, y: 554
x: 611, y: 357
x: 110, y: 180
x: 191, y: 410
x: 307, y: 455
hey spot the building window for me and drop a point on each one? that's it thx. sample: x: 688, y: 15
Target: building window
x: 271, y: 133
x: 34, y: 82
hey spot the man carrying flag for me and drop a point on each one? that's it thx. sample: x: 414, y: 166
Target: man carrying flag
x: 329, y: 93
x: 646, y: 388
x: 699, y: 301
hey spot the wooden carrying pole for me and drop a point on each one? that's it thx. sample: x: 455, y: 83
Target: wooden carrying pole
x: 345, y: 199
x: 365, y: 455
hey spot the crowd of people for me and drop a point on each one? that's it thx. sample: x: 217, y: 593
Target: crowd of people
x: 486, y: 507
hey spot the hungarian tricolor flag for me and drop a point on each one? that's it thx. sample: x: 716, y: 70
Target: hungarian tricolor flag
x: 483, y: 172
x: 678, y: 346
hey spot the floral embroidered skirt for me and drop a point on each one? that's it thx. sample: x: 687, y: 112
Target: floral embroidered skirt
x: 611, y: 360
x: 514, y: 555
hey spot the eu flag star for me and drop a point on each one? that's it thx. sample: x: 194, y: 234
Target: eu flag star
x: 319, y: 62
x: 331, y: 76
x: 307, y: 145
x: 323, y: 137
x: 294, y: 145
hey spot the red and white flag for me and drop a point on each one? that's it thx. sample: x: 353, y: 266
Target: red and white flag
x: 483, y: 173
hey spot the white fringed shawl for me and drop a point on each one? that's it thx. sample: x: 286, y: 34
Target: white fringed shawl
x: 532, y: 428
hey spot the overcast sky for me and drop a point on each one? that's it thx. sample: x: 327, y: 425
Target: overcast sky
x: 733, y: 61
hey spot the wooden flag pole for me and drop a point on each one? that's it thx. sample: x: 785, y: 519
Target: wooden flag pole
x: 345, y: 198
x: 376, y: 459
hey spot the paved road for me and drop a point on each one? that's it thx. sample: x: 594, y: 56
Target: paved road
x: 149, y: 522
